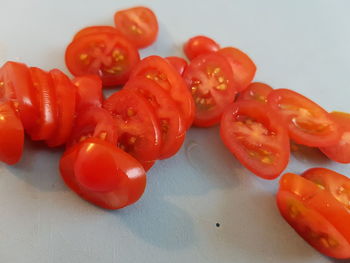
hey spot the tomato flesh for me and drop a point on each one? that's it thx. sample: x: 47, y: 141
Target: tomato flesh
x: 199, y: 45
x: 91, y: 30
x: 89, y: 91
x: 256, y: 91
x: 178, y: 63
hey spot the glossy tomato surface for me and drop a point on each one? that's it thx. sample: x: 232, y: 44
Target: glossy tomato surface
x: 256, y: 91
x: 178, y: 63
x: 89, y: 91
x: 199, y: 45
x: 91, y: 30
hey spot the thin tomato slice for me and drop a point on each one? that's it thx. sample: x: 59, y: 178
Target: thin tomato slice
x: 199, y: 45
x: 91, y: 30
x: 178, y: 63
x: 253, y: 133
x: 89, y: 91
x: 308, y: 123
x: 209, y: 78
x: 147, y: 165
x: 256, y: 91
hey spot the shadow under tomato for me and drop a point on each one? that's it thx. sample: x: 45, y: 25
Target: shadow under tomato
x: 307, y: 154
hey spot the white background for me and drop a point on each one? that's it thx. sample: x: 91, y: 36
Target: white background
x: 296, y: 44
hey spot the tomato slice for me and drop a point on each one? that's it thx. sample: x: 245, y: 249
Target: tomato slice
x: 138, y: 129
x: 253, y: 133
x: 65, y: 96
x: 89, y: 91
x: 91, y: 30
x: 11, y: 134
x: 102, y: 174
x: 199, y: 45
x: 308, y: 123
x: 256, y: 91
x: 178, y: 63
x: 160, y: 71
x: 147, y: 165
x: 138, y: 24
x: 242, y: 66
x: 168, y: 115
x: 209, y: 77
x: 108, y: 55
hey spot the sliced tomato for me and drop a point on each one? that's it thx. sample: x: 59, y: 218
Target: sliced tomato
x: 138, y: 24
x: 242, y: 66
x: 11, y: 134
x: 253, y: 133
x: 160, y: 71
x: 308, y: 123
x: 89, y: 91
x: 256, y: 91
x: 209, y: 78
x: 147, y: 165
x: 102, y: 174
x: 178, y: 63
x: 109, y: 55
x: 91, y: 30
x: 199, y: 45
x: 169, y: 117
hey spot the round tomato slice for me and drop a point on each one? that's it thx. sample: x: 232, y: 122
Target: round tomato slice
x: 242, y: 66
x: 199, y: 45
x: 178, y: 63
x: 253, y: 133
x: 89, y: 91
x: 209, y: 78
x: 160, y: 71
x: 256, y: 91
x: 308, y: 123
x: 11, y: 134
x: 108, y: 55
x: 102, y: 174
x: 138, y: 131
x: 168, y: 115
x: 138, y: 24
x: 91, y: 30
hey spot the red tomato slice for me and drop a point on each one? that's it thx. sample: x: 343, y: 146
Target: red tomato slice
x: 115, y: 188
x: 256, y: 91
x: 138, y: 129
x: 108, y: 55
x: 199, y: 45
x: 254, y: 134
x: 89, y: 91
x: 242, y: 66
x: 178, y: 63
x: 209, y: 77
x: 308, y: 123
x: 159, y: 70
x: 11, y: 134
x: 65, y: 96
x: 91, y: 30
x: 138, y: 24
x: 147, y: 165
x: 168, y: 115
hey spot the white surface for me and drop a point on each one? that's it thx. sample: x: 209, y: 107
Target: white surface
x: 296, y: 44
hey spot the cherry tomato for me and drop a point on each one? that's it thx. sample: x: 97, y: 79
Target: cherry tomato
x: 138, y: 24
x: 91, y: 30
x: 167, y: 112
x: 253, y: 133
x: 178, y: 63
x: 308, y: 123
x: 108, y: 55
x: 147, y: 165
x: 160, y: 71
x: 199, y: 45
x: 256, y: 91
x: 11, y: 134
x: 242, y: 66
x: 209, y: 78
x: 102, y: 174
x: 89, y: 91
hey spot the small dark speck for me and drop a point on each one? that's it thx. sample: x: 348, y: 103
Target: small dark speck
x: 217, y: 224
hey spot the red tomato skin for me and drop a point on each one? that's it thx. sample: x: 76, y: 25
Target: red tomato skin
x: 178, y: 63
x: 89, y: 91
x: 91, y: 30
x: 256, y: 91
x: 199, y: 45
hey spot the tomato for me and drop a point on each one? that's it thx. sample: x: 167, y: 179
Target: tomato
x: 11, y: 134
x: 91, y: 30
x: 89, y: 91
x: 242, y: 66
x: 65, y: 99
x: 138, y: 129
x: 308, y: 123
x: 256, y: 91
x: 178, y: 63
x: 209, y: 78
x: 199, y: 45
x: 147, y: 165
x: 103, y: 174
x: 167, y: 112
x: 160, y: 71
x: 138, y: 24
x: 253, y: 133
x: 108, y: 55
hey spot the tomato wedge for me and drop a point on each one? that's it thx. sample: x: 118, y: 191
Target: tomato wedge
x: 308, y: 123
x: 178, y: 63
x: 253, y: 133
x: 199, y: 45
x: 256, y: 91
x: 138, y: 24
x: 89, y: 91
x: 91, y: 30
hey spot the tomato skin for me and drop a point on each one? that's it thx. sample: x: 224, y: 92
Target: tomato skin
x: 89, y: 91
x: 178, y: 63
x: 147, y: 165
x: 199, y: 45
x: 256, y: 91
x: 91, y: 30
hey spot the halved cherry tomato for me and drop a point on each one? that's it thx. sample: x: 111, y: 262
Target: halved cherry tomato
x: 167, y: 112
x: 253, y: 133
x: 242, y: 66
x: 89, y: 91
x: 209, y: 78
x: 120, y: 183
x: 159, y: 70
x: 147, y: 165
x: 91, y: 30
x: 138, y: 129
x: 178, y: 63
x: 256, y: 91
x: 138, y: 24
x: 11, y: 134
x: 199, y: 45
x: 308, y: 123
x: 109, y: 55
